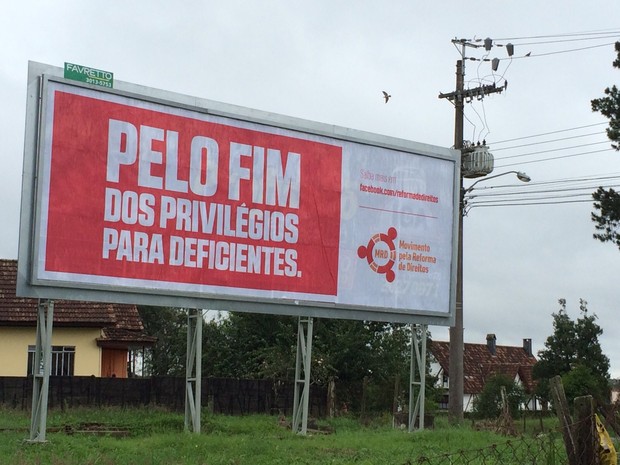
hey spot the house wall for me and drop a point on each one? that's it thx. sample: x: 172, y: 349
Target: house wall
x: 443, y: 383
x: 468, y: 402
x: 14, y: 344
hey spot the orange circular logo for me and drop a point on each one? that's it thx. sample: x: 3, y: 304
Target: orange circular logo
x: 380, y: 253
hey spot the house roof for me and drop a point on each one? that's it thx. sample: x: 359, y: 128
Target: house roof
x: 120, y: 322
x: 479, y: 364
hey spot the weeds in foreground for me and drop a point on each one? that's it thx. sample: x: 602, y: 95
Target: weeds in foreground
x: 153, y: 436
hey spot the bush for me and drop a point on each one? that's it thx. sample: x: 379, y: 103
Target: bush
x: 489, y: 403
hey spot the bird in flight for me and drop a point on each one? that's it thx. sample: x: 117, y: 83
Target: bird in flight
x: 386, y: 96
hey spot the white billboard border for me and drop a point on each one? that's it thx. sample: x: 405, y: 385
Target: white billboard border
x: 39, y: 73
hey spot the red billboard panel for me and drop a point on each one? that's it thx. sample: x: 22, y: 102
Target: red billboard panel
x: 136, y: 193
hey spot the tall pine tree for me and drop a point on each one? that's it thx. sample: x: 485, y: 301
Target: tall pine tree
x: 607, y: 201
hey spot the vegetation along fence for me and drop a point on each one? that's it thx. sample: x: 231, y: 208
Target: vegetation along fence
x: 547, y: 449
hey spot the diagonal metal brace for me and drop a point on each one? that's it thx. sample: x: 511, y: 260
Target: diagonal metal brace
x: 41, y: 370
x: 302, y: 376
x: 418, y: 365
x: 193, y: 371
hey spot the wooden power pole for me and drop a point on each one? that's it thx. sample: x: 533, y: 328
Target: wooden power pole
x: 456, y: 372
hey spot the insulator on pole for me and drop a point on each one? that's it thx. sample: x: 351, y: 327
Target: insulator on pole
x: 488, y: 43
x: 510, y: 49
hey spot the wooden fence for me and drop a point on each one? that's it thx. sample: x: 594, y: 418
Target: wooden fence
x: 586, y: 439
x: 225, y: 396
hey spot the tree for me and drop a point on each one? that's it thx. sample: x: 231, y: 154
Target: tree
x: 580, y: 381
x: 608, y: 222
x: 607, y: 202
x: 248, y: 345
x: 238, y: 346
x: 356, y: 354
x: 215, y: 346
x: 609, y: 106
x: 169, y: 325
x: 573, y: 351
x: 489, y: 403
x: 245, y: 345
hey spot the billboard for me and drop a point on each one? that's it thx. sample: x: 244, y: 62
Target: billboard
x: 144, y: 196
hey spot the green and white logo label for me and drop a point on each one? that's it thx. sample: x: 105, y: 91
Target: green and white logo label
x: 88, y: 75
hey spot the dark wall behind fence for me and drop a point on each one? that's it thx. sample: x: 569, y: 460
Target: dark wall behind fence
x: 219, y: 395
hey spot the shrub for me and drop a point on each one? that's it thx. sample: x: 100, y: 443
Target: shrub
x: 489, y: 403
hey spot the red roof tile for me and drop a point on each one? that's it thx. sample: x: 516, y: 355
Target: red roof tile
x: 115, y: 337
x: 22, y: 311
x: 479, y: 364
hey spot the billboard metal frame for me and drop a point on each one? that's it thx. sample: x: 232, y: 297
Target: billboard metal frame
x: 39, y: 74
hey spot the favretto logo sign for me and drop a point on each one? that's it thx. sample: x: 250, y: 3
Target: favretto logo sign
x: 380, y: 253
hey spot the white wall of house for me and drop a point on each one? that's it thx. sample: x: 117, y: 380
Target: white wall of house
x: 444, y: 383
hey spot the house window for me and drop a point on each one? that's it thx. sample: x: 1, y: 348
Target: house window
x: 63, y: 360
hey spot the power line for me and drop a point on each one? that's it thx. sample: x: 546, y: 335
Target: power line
x: 552, y: 150
x: 573, y: 190
x: 548, y: 133
x: 548, y: 141
x: 569, y: 190
x: 569, y: 40
x: 590, y: 178
x: 533, y: 55
x: 524, y: 204
x: 548, y: 200
x: 546, y: 39
x: 579, y: 37
x: 545, y: 187
x: 568, y: 34
x: 554, y: 158
x: 524, y: 193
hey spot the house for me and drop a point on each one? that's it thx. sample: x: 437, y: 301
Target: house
x: 88, y: 339
x: 482, y: 361
x: 614, y: 384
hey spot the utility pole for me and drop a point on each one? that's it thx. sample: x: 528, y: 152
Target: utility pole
x: 455, y: 368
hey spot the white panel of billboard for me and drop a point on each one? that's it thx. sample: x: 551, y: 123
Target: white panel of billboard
x: 144, y: 196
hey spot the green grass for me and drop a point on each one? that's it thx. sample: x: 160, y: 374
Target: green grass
x: 158, y: 437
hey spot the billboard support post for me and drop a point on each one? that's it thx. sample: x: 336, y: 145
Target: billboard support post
x: 41, y: 370
x: 303, y: 364
x: 193, y: 370
x: 418, y: 357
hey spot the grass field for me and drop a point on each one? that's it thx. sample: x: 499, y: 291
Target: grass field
x: 151, y: 436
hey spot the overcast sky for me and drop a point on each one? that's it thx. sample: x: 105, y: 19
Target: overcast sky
x: 328, y: 61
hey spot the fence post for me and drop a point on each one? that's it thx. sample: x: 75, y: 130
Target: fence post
x: 364, y: 398
x: 331, y: 398
x: 585, y: 432
x: 561, y: 410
